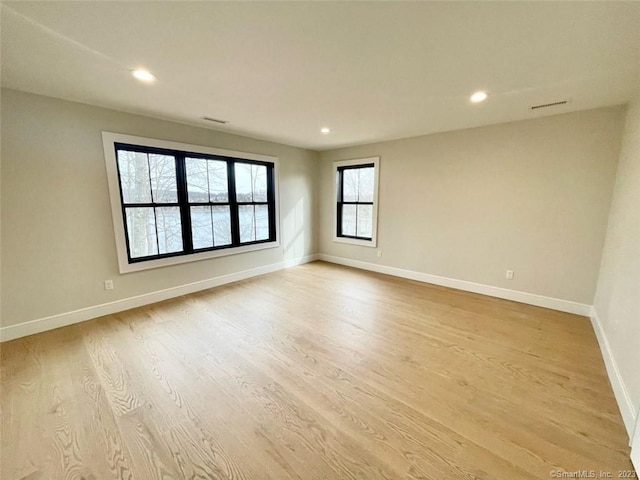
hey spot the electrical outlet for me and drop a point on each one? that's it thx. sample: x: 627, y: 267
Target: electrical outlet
x: 379, y: 253
x: 108, y: 284
x: 509, y: 275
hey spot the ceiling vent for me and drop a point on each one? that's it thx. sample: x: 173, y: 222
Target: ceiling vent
x: 545, y: 105
x: 215, y: 120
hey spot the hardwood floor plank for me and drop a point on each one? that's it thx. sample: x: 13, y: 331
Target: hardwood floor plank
x: 297, y: 429
x: 493, y: 386
x: 356, y: 418
x: 316, y: 372
x: 217, y: 417
x: 197, y: 449
x: 25, y: 444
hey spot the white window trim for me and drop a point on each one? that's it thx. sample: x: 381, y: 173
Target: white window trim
x: 374, y: 231
x: 108, y: 140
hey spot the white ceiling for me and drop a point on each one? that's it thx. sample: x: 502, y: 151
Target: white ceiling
x: 368, y: 70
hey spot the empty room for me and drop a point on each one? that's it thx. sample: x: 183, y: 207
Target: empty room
x: 319, y: 240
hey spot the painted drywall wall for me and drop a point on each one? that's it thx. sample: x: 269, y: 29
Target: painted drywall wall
x: 58, y: 242
x: 617, y: 300
x: 530, y: 196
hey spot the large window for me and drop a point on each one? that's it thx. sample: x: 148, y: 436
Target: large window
x: 179, y: 202
x: 356, y: 201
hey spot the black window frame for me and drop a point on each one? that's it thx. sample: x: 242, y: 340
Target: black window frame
x: 185, y: 206
x: 340, y: 202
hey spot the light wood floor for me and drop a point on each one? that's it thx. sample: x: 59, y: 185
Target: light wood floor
x: 316, y: 372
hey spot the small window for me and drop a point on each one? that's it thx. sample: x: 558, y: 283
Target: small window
x: 357, y: 201
x: 178, y: 203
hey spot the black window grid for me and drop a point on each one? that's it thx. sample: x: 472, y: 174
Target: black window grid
x: 185, y: 206
x: 341, y: 202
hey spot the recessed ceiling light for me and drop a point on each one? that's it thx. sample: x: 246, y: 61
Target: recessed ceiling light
x: 325, y: 130
x: 143, y: 75
x: 479, y: 97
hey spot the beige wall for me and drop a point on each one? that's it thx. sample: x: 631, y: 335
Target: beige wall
x: 57, y: 234
x: 617, y: 300
x: 531, y: 196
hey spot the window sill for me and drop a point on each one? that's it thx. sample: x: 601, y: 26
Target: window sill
x: 165, y: 262
x: 355, y: 241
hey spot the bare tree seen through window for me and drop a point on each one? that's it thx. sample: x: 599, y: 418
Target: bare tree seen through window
x: 150, y: 181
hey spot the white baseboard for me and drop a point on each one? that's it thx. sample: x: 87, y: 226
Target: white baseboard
x: 522, y: 297
x: 615, y: 378
x: 68, y: 318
